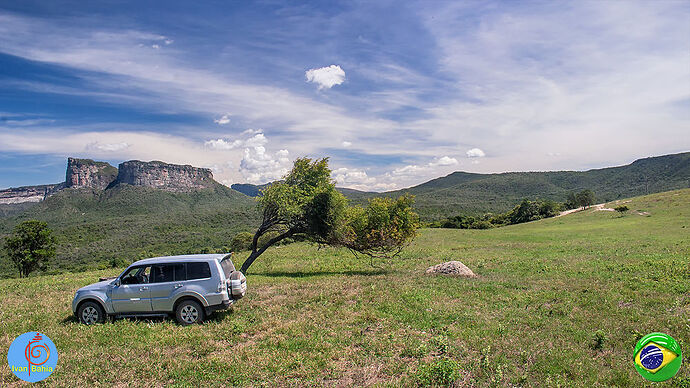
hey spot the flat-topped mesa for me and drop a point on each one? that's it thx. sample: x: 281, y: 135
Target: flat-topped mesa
x: 164, y: 176
x: 86, y: 173
x: 15, y: 195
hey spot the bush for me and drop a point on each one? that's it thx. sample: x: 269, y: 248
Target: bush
x: 441, y: 373
x: 117, y: 262
x: 241, y: 242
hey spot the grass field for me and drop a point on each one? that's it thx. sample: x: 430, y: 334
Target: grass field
x: 558, y: 302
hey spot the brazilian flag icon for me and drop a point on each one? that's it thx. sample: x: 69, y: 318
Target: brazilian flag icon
x: 657, y: 357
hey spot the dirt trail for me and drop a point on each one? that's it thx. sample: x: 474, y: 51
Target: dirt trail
x: 579, y: 209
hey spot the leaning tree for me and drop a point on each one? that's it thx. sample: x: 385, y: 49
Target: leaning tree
x: 306, y: 203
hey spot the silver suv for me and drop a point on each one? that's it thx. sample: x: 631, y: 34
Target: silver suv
x: 189, y: 286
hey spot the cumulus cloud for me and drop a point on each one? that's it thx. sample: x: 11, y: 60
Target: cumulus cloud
x: 475, y: 153
x: 107, y: 147
x: 346, y: 144
x: 257, y: 139
x: 224, y: 119
x: 444, y: 161
x: 326, y: 77
x: 258, y: 166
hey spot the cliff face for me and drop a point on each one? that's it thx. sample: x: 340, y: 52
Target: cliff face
x: 89, y: 174
x: 85, y: 173
x: 24, y: 194
x: 164, y: 176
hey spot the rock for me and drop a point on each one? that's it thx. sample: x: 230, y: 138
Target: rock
x: 165, y: 176
x: 15, y: 195
x: 454, y: 268
x: 86, y: 173
x: 89, y: 174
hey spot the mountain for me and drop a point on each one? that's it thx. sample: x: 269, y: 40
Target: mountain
x: 471, y: 193
x: 142, y: 209
x: 250, y: 189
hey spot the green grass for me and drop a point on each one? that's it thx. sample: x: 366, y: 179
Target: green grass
x: 558, y: 302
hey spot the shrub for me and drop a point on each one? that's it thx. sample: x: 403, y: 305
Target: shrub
x: 621, y: 209
x: 241, y: 242
x: 441, y: 373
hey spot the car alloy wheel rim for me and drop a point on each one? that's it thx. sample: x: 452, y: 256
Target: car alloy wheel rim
x: 189, y: 314
x: 89, y: 315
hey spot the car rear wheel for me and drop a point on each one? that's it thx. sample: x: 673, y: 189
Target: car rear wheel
x: 189, y: 312
x: 90, y: 313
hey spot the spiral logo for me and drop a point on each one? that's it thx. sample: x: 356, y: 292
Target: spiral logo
x: 32, y: 357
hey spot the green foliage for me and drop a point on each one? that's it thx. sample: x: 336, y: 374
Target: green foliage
x: 30, y: 246
x: 306, y: 203
x: 621, y: 209
x: 585, y: 198
x: 242, y: 241
x: 598, y: 340
x: 526, y: 211
x: 382, y: 229
x: 440, y: 373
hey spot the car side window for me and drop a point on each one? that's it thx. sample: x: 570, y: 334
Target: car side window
x: 137, y: 275
x: 198, y: 270
x: 167, y: 273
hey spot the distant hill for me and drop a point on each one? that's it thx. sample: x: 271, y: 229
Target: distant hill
x: 255, y: 190
x: 468, y: 193
x: 471, y: 193
x: 249, y: 189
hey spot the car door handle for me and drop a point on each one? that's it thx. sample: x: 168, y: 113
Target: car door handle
x: 143, y: 288
x: 178, y: 285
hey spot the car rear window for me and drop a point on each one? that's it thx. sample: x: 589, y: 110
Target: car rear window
x: 162, y: 273
x: 198, y: 270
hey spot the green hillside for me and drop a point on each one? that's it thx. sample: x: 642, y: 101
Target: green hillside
x: 128, y: 223
x: 467, y: 193
x: 558, y: 302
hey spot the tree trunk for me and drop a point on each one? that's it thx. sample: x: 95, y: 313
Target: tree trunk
x: 256, y: 253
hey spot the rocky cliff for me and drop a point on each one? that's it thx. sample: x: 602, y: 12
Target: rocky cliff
x: 15, y: 195
x: 89, y: 174
x: 165, y: 176
x: 86, y: 173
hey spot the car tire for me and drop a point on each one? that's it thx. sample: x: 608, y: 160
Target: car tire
x: 189, y: 312
x: 90, y: 313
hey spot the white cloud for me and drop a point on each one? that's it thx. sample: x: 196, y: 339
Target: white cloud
x: 224, y: 119
x: 346, y: 144
x: 258, y: 166
x: 326, y: 77
x: 475, y: 153
x: 107, y: 147
x: 155, y: 46
x: 444, y: 161
x: 258, y: 139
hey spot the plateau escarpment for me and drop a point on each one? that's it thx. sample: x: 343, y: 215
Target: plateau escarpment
x: 86, y: 173
x: 16, y: 195
x: 99, y: 176
x: 165, y: 176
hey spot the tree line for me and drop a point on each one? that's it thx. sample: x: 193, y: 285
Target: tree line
x: 526, y: 211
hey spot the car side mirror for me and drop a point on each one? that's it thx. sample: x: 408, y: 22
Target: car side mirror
x: 116, y: 283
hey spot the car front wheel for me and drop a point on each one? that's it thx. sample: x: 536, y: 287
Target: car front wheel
x: 189, y: 312
x: 90, y: 313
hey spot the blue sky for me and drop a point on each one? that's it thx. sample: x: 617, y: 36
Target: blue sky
x: 395, y: 93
